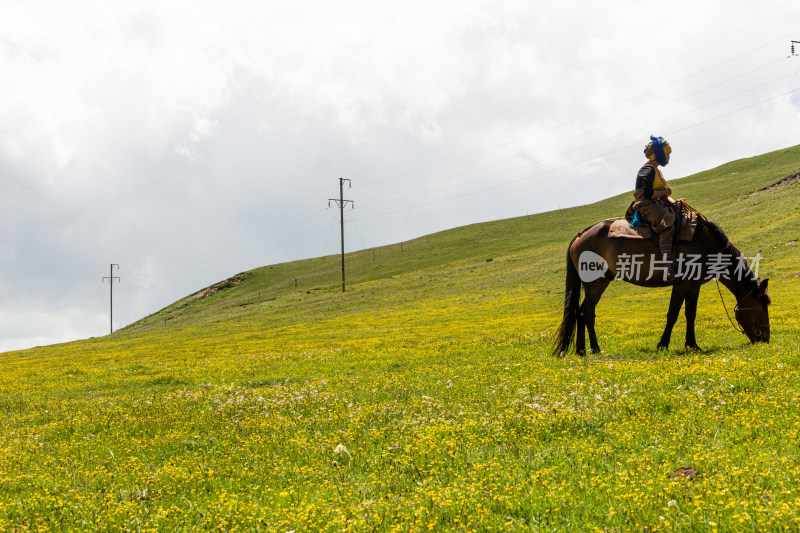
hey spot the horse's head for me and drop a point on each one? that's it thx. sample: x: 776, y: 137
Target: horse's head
x: 752, y: 313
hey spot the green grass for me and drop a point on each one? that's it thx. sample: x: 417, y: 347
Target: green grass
x: 425, y: 397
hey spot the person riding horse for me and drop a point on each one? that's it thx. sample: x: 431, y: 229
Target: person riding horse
x: 652, y: 196
x: 595, y: 258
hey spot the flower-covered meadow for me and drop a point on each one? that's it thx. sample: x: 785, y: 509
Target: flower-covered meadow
x: 445, y: 428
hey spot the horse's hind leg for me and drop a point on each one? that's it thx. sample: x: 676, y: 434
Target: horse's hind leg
x: 593, y: 291
x: 580, y: 331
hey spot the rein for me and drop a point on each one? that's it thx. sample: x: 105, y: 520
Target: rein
x: 689, y: 209
x: 736, y: 310
x: 735, y: 325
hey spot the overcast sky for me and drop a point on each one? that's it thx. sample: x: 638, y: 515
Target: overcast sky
x: 188, y: 141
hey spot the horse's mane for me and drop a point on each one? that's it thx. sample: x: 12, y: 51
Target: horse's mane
x: 728, y: 248
x: 727, y: 245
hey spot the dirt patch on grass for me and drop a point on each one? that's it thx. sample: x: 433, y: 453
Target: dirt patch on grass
x: 788, y: 180
x: 221, y: 286
x: 684, y: 472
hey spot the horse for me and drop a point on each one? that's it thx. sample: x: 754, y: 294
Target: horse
x: 594, y: 259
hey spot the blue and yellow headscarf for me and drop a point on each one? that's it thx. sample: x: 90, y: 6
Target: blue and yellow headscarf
x: 658, y: 149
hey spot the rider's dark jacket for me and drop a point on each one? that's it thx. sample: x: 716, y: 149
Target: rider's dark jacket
x: 656, y: 211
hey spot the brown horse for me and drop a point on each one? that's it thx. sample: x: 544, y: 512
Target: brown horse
x: 594, y: 260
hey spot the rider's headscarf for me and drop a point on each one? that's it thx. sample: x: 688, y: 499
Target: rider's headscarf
x: 658, y: 149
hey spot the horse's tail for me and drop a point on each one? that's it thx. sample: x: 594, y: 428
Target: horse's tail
x: 572, y: 295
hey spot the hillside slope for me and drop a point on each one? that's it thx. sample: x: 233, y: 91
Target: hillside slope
x: 516, y: 254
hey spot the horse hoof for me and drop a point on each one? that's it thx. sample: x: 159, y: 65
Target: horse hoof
x: 693, y: 347
x: 661, y: 346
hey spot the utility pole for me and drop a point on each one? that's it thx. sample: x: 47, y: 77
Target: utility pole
x: 341, y: 202
x: 111, y: 277
x: 794, y: 43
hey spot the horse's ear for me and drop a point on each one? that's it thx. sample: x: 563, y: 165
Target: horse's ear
x: 762, y: 286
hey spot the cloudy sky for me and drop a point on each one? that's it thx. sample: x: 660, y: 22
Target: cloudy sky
x: 188, y: 141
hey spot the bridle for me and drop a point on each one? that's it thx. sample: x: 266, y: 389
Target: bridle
x: 737, y: 310
x: 755, y: 310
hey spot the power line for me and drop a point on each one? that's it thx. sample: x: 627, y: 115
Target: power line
x: 524, y: 178
x: 165, y: 281
x: 253, y: 243
x: 587, y: 145
x: 217, y: 265
x: 584, y: 116
x: 313, y: 231
x: 213, y: 262
x: 778, y: 107
x: 271, y: 229
x: 587, y: 132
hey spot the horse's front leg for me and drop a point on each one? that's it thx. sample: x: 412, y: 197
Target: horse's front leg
x: 691, y: 313
x: 675, y: 303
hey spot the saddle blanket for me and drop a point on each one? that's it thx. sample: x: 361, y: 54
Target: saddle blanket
x: 621, y: 228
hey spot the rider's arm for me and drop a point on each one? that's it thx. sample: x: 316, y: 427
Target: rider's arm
x: 663, y: 193
x: 644, y: 181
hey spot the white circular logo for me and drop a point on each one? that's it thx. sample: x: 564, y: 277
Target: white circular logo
x: 591, y: 266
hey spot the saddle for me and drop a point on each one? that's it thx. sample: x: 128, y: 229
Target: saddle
x: 685, y: 220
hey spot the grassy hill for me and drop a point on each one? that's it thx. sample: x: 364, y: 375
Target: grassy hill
x: 521, y: 253
x: 424, y: 397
